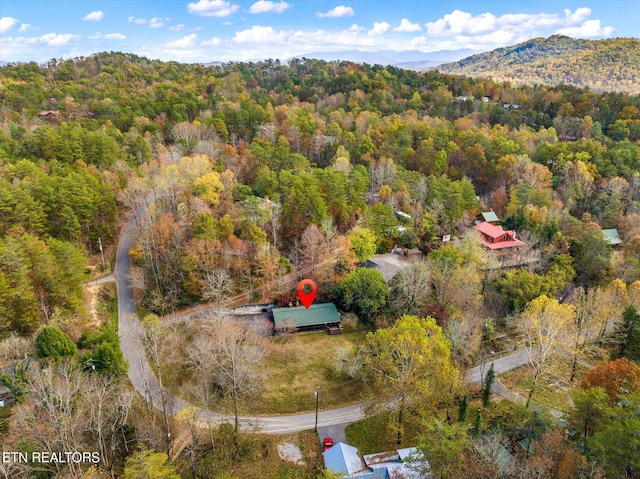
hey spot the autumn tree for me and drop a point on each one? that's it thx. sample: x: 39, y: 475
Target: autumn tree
x: 544, y: 323
x: 363, y: 243
x: 582, y: 335
x: 146, y: 463
x: 410, y: 362
x: 617, y: 378
x: 444, y: 444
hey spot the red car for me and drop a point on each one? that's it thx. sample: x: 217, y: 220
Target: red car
x: 327, y: 443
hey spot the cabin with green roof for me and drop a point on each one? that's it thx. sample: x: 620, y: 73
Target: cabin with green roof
x: 611, y: 236
x: 298, y: 318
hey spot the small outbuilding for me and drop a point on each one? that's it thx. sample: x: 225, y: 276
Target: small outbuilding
x: 612, y: 236
x: 487, y: 216
x: 298, y: 318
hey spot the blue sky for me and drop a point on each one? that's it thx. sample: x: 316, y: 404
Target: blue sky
x: 227, y: 30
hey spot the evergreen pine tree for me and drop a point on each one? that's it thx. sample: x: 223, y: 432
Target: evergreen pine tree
x: 463, y: 409
x: 487, y: 385
x: 477, y: 427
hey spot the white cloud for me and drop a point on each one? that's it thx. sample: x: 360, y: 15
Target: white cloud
x: 459, y: 22
x: 589, y: 29
x: 487, y: 31
x: 185, y: 42
x: 580, y: 15
x: 337, y: 12
x: 137, y: 21
x: 7, y: 23
x: 379, y: 28
x: 108, y: 36
x: 407, y: 26
x: 212, y: 8
x: 156, y: 22
x: 57, y: 39
x: 214, y: 42
x: 267, y: 6
x: 25, y: 27
x: 94, y: 16
x: 177, y: 28
x: 259, y: 35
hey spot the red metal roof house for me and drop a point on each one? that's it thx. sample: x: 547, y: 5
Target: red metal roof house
x: 494, y: 237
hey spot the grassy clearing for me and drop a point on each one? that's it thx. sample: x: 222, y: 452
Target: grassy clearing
x: 378, y: 433
x: 255, y: 456
x: 553, y: 389
x: 292, y: 369
x: 295, y: 367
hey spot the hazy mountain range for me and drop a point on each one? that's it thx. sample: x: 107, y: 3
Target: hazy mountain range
x: 601, y: 65
x: 412, y: 60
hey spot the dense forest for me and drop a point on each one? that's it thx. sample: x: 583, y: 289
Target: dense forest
x: 600, y: 65
x: 251, y: 171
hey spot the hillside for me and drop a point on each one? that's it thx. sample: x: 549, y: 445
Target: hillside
x: 601, y: 65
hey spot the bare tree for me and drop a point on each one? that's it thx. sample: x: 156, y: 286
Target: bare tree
x: 218, y: 286
x: 15, y: 348
x: 274, y: 211
x: 153, y: 340
x: 382, y: 172
x: 237, y: 357
x: 200, y: 359
x: 410, y: 288
x: 582, y: 337
x: 488, y: 453
x: 55, y: 418
x: 313, y: 245
x: 108, y: 409
x: 465, y: 335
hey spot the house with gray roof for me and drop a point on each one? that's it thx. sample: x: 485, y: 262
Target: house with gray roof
x: 406, y: 463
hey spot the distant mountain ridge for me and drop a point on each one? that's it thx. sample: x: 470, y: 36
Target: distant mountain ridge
x: 411, y: 60
x: 601, y: 65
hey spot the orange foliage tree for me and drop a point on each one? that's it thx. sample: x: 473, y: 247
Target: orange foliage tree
x: 615, y: 377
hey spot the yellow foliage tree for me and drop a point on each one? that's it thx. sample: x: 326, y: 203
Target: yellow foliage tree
x: 410, y: 363
x: 209, y: 186
x: 545, y: 323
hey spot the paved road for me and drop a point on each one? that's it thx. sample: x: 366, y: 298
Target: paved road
x: 500, y: 365
x: 105, y: 279
x: 131, y: 332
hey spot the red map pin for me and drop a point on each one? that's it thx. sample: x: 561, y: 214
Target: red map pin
x: 307, y: 298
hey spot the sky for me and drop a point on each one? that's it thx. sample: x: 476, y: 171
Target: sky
x: 226, y: 30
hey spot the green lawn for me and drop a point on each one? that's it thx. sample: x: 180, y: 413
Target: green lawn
x: 295, y: 367
x: 378, y: 433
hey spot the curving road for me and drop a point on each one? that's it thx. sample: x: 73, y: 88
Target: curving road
x: 131, y: 333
